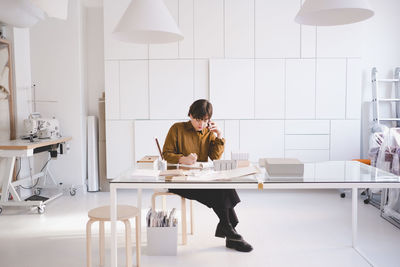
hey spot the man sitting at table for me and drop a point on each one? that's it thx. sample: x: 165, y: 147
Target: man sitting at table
x: 197, y: 140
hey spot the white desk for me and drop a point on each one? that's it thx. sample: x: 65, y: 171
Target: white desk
x: 9, y: 150
x: 322, y: 175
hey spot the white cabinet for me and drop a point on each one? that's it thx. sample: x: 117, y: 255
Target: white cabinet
x: 345, y: 139
x: 308, y: 41
x: 111, y: 83
x: 201, y: 72
x: 353, y: 95
x: 340, y: 41
x: 114, y: 49
x: 277, y: 35
x: 300, y: 89
x: 134, y: 101
x: 331, y: 89
x: 262, y: 138
x: 269, y: 89
x: 186, y: 46
x: 306, y: 141
x: 171, y: 88
x: 232, y: 88
x: 232, y: 137
x: 307, y: 127
x: 120, y: 147
x: 146, y: 131
x: 239, y: 28
x: 209, y: 28
x: 308, y: 155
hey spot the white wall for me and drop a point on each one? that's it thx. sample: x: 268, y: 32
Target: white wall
x: 263, y: 72
x: 58, y: 70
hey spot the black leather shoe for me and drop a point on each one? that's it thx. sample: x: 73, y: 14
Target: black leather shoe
x: 226, y: 230
x: 240, y: 245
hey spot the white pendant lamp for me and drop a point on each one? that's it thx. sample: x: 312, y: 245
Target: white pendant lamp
x: 20, y: 13
x: 333, y: 12
x: 53, y: 8
x: 147, y: 22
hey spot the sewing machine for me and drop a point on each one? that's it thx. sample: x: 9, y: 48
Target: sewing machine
x: 36, y: 126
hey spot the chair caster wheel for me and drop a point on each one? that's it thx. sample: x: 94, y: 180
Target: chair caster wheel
x: 72, y: 191
x: 366, y: 201
x: 343, y: 195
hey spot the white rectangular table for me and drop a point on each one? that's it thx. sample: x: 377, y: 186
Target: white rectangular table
x: 321, y: 175
x: 9, y: 150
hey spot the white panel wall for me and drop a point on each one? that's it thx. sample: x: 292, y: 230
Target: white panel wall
x: 331, y: 89
x: 239, y: 28
x: 120, y: 147
x: 278, y: 89
x: 134, y: 89
x: 209, y: 28
x: 345, y: 139
x: 171, y: 87
x: 276, y: 34
x: 262, y: 138
x: 269, y: 89
x: 232, y: 88
x: 300, y: 89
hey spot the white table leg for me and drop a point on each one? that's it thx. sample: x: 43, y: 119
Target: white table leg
x: 8, y: 164
x: 354, y: 199
x: 113, y: 210
x: 139, y: 206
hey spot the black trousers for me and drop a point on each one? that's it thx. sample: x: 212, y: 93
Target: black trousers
x: 222, y: 201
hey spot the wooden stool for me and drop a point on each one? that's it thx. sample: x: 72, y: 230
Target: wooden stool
x: 102, y: 214
x: 183, y: 215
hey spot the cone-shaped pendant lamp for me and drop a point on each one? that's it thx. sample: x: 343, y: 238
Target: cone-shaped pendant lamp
x: 147, y: 22
x: 333, y: 12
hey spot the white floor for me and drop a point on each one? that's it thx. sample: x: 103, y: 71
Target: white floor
x: 286, y: 228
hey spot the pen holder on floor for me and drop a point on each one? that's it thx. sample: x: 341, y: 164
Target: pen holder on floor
x: 162, y: 241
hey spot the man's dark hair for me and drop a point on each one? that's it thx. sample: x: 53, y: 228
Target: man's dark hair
x: 201, y: 109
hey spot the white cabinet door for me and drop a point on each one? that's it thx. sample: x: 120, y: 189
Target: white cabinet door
x: 186, y: 46
x: 170, y: 50
x: 269, y: 89
x: 276, y: 34
x: 239, y: 28
x: 134, y: 91
x: 201, y: 80
x: 300, y: 89
x: 262, y: 138
x: 120, y: 147
x: 307, y: 127
x: 111, y: 82
x: 308, y: 41
x: 232, y: 134
x: 308, y: 141
x: 171, y: 88
x: 345, y: 139
x: 114, y: 49
x: 308, y: 155
x: 209, y: 28
x: 331, y: 89
x: 340, y: 41
x: 145, y: 132
x: 232, y: 88
x: 353, y: 100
